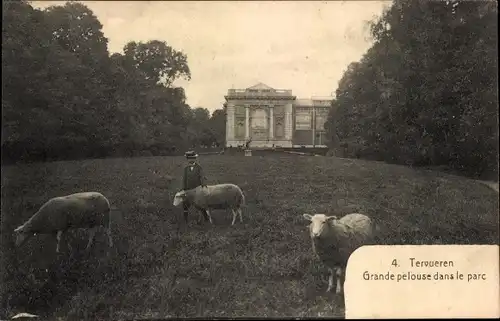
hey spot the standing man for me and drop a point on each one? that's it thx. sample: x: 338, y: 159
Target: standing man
x: 193, y: 177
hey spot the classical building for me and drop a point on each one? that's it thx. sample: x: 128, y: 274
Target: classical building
x: 274, y: 117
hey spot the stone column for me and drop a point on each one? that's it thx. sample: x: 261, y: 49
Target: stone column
x: 229, y: 124
x: 247, y: 122
x: 271, y: 121
x: 313, y: 124
x: 288, y: 121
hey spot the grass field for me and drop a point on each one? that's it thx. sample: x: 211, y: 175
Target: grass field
x: 263, y: 267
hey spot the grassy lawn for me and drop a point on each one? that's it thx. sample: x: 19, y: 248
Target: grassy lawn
x: 261, y: 267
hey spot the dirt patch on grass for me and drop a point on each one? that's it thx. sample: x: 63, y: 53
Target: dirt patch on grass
x: 261, y: 267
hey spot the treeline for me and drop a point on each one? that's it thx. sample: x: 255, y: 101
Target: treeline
x: 65, y: 97
x: 426, y: 92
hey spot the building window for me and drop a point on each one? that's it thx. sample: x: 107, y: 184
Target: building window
x: 279, y: 128
x: 259, y: 119
x: 320, y: 121
x: 321, y: 118
x: 240, y: 128
x: 303, y: 119
x: 320, y: 139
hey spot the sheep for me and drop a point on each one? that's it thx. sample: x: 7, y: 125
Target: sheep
x: 24, y: 315
x: 212, y: 197
x: 80, y: 210
x: 334, y: 240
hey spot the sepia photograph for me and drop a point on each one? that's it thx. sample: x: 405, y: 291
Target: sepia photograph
x: 226, y: 159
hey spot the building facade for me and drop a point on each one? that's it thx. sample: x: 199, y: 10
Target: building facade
x: 274, y: 117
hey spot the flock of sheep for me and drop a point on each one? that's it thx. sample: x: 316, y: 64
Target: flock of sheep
x: 333, y: 239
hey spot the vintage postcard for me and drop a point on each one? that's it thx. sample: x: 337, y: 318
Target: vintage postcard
x: 237, y: 159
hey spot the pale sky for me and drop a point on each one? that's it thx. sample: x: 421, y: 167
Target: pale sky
x: 304, y: 46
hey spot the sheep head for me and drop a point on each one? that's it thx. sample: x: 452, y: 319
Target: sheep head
x: 22, y: 235
x: 319, y: 224
x: 179, y: 198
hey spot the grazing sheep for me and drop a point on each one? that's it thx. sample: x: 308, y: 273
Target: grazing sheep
x: 334, y: 240
x: 212, y: 197
x: 24, y: 315
x: 81, y: 210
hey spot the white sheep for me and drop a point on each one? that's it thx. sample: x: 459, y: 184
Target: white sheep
x: 24, y: 315
x: 212, y: 197
x: 80, y: 210
x: 334, y: 240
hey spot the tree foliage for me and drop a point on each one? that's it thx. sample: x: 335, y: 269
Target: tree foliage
x: 218, y: 126
x: 157, y: 61
x: 65, y: 96
x: 426, y: 92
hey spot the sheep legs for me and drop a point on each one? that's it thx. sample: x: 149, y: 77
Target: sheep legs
x: 330, y: 280
x: 90, y: 242
x: 185, y: 211
x: 110, y: 239
x: 241, y: 214
x: 91, y: 237
x: 58, y: 236
x: 92, y: 233
x: 235, y: 214
x: 207, y: 211
x: 340, y: 280
x: 314, y: 247
x: 339, y: 276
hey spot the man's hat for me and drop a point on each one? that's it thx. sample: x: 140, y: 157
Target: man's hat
x: 191, y: 155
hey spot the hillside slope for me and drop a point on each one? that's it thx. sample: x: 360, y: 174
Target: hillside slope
x: 262, y: 267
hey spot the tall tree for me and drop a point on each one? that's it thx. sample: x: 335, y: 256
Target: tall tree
x: 200, y: 127
x: 217, y: 125
x: 425, y: 93
x: 25, y: 47
x: 76, y: 29
x: 64, y: 96
x: 158, y: 62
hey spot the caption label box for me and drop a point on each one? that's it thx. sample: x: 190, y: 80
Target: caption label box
x: 423, y: 281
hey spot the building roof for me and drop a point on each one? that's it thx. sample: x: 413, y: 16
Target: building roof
x: 315, y: 101
x: 322, y: 97
x: 263, y: 91
x: 260, y: 86
x: 260, y: 91
x: 303, y: 102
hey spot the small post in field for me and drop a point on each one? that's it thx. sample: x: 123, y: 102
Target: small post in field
x: 248, y: 151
